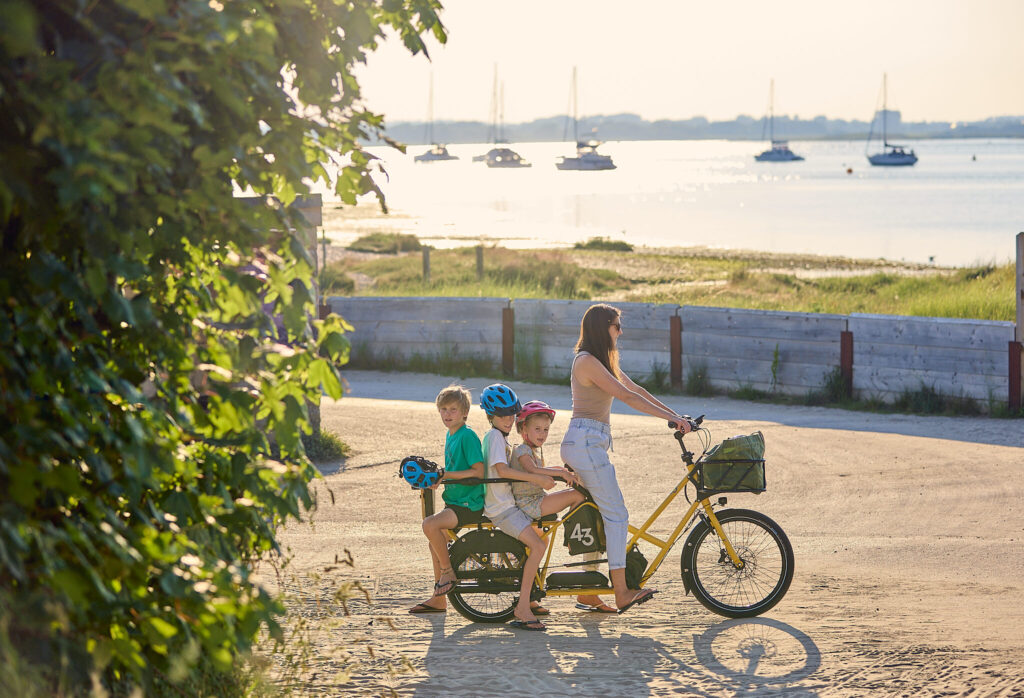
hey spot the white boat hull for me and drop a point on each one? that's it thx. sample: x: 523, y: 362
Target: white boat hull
x: 436, y: 154
x: 586, y: 162
x: 778, y: 156
x: 892, y: 159
x: 504, y: 158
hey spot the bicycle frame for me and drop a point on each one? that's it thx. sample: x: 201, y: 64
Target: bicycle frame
x: 642, y: 534
x: 637, y: 534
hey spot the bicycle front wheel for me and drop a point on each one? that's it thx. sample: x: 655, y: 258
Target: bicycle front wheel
x: 755, y: 586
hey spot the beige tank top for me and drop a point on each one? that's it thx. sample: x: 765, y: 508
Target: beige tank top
x: 589, y: 402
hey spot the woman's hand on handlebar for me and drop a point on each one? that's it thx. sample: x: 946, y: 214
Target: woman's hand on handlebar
x: 681, y: 423
x: 685, y: 423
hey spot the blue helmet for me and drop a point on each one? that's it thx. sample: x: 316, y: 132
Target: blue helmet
x: 420, y: 472
x: 499, y: 400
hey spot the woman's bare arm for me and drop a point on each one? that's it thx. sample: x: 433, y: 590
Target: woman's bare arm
x: 592, y: 370
x: 628, y: 382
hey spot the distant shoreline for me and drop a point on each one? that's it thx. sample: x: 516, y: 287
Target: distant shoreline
x: 630, y: 127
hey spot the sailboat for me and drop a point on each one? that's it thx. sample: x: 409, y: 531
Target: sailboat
x: 437, y: 151
x: 587, y: 157
x: 498, y: 156
x: 779, y: 151
x: 891, y: 155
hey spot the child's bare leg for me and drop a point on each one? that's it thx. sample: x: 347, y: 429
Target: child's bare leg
x: 434, y: 528
x: 557, y: 501
x: 537, y: 547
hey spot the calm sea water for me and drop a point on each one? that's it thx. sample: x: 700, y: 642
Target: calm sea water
x: 962, y: 203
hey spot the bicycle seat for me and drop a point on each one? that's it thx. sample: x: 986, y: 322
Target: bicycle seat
x: 484, y: 521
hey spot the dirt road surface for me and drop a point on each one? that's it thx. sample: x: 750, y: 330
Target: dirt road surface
x: 908, y: 534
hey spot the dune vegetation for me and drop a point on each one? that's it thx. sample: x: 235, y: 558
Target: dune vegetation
x: 799, y: 283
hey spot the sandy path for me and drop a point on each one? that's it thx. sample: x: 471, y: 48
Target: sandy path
x: 909, y: 560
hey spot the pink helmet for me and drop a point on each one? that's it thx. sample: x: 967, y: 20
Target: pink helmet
x: 534, y: 407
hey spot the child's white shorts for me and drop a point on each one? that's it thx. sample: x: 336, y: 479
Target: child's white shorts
x: 511, y: 521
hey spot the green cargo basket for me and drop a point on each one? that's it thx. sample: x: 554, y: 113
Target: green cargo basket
x: 735, y: 465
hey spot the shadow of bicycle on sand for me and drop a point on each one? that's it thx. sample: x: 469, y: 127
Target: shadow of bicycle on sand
x: 740, y: 657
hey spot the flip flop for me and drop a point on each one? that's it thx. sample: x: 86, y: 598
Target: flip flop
x: 639, y: 599
x: 540, y: 611
x: 447, y: 586
x: 528, y: 625
x: 424, y: 608
x: 603, y: 608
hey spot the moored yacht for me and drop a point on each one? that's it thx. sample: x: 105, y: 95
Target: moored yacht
x: 500, y: 155
x: 892, y: 155
x: 504, y: 157
x: 587, y: 157
x: 437, y: 152
x: 779, y: 152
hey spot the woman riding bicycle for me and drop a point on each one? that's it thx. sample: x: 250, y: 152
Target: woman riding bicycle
x: 596, y: 380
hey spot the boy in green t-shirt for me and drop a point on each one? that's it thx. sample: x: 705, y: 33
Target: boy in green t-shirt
x: 463, y: 459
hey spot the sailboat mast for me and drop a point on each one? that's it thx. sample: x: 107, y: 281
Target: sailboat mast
x: 430, y: 112
x: 494, y: 107
x: 885, y: 108
x: 771, y: 111
x: 501, y: 113
x: 575, y: 130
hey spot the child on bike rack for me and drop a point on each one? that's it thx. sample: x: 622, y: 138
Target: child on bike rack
x: 500, y: 505
x: 533, y: 425
x: 463, y: 459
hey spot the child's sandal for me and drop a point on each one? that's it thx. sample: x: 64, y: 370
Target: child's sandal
x: 443, y: 588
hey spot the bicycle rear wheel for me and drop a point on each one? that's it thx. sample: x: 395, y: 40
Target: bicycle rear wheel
x: 489, y: 566
x: 751, y: 589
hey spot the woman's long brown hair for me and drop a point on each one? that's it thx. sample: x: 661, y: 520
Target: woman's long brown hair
x: 595, y: 338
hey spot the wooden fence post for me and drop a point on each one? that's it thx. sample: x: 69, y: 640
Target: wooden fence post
x: 675, y: 329
x: 1014, y: 401
x: 1016, y: 354
x: 480, y: 263
x: 426, y: 264
x: 1019, y: 332
x: 508, y: 341
x: 846, y: 361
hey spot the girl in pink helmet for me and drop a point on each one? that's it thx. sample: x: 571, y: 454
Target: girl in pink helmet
x: 529, y: 478
x: 533, y: 425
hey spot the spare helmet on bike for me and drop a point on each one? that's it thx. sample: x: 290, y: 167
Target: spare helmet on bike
x: 534, y: 407
x: 499, y: 400
x: 420, y: 472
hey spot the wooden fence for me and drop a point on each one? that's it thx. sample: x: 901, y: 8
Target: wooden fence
x: 876, y: 356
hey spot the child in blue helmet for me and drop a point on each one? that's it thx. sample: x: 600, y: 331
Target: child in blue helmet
x: 463, y: 503
x: 501, y: 404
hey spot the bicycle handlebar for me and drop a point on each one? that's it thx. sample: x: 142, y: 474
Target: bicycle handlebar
x: 485, y: 480
x: 694, y: 423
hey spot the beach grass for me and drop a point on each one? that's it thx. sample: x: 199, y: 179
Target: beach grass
x: 795, y: 283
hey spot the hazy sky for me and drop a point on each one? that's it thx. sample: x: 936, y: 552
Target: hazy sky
x: 947, y: 60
